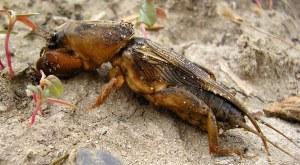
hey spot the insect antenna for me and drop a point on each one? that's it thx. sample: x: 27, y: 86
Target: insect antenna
x: 246, y: 127
x: 276, y: 130
x: 253, y: 121
x: 41, y: 33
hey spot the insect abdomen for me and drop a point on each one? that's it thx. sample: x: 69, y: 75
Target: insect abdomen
x: 222, y: 109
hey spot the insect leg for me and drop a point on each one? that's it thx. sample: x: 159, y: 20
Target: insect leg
x: 183, y: 103
x: 193, y: 110
x: 213, y: 133
x: 115, y: 82
x: 59, y: 62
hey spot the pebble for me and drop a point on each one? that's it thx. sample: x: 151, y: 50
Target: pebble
x: 95, y: 157
x: 51, y: 146
x: 3, y: 108
x: 224, y: 160
x: 297, y: 75
x: 30, y: 154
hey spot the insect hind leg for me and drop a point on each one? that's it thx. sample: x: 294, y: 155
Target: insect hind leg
x: 193, y: 110
x: 213, y: 140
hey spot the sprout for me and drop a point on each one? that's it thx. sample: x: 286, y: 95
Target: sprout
x: 148, y: 17
x: 49, y: 89
x: 12, y: 19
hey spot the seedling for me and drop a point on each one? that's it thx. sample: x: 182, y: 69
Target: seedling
x: 258, y: 3
x: 147, y: 17
x: 12, y: 19
x: 48, y: 91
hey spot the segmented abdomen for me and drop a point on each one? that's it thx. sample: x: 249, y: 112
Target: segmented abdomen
x: 223, y: 109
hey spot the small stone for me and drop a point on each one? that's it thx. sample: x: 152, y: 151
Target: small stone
x: 76, y: 141
x: 225, y: 160
x: 95, y: 157
x: 30, y: 154
x: 103, y: 130
x: 129, y: 146
x: 297, y: 75
x: 3, y: 108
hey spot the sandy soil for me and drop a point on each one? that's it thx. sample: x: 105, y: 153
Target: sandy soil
x: 259, y: 68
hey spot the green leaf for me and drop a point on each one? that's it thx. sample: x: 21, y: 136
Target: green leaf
x: 55, y: 89
x: 33, y: 89
x: 148, y: 13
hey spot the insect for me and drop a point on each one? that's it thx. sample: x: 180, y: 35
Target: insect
x: 163, y: 77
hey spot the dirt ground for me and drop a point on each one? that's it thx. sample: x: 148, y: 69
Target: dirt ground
x: 260, y: 68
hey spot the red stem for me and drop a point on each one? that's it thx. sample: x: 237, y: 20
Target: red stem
x: 1, y: 65
x: 27, y: 22
x: 38, y: 107
x: 270, y: 4
x: 144, y: 31
x: 258, y: 3
x: 7, y: 52
x: 58, y: 101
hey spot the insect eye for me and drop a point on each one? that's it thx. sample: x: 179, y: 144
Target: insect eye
x: 55, y: 41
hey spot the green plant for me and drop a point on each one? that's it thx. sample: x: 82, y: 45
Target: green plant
x: 49, y: 89
x: 258, y: 3
x: 12, y: 19
x: 148, y: 16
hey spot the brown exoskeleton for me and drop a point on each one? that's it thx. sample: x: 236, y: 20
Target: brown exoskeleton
x: 163, y: 77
